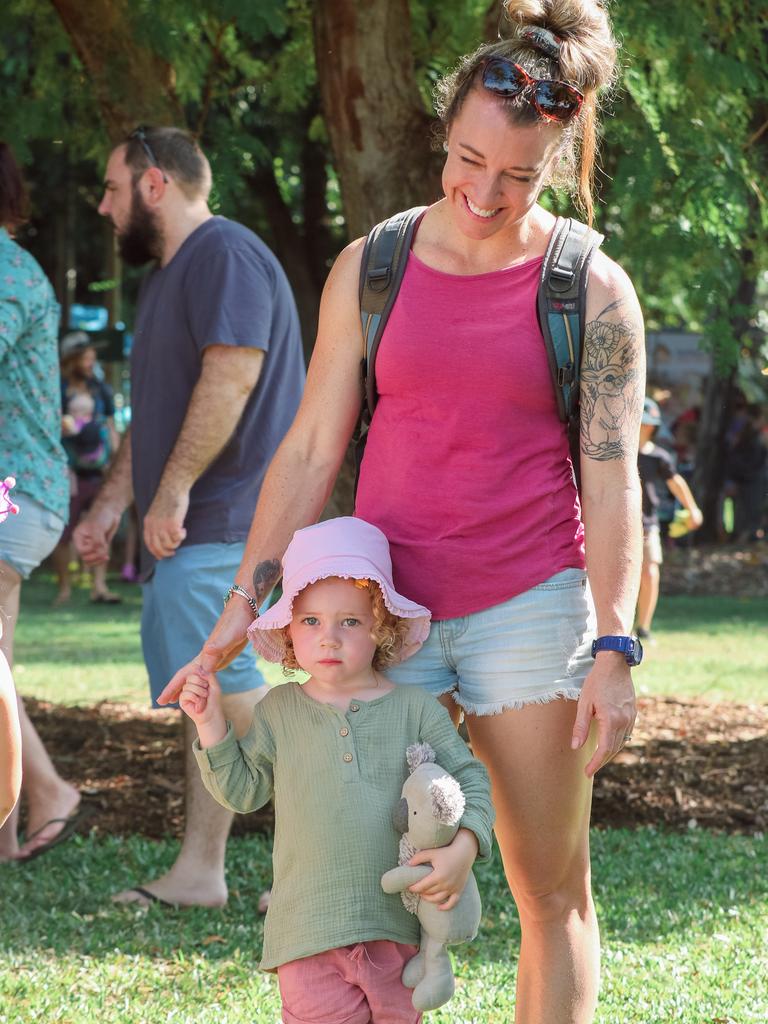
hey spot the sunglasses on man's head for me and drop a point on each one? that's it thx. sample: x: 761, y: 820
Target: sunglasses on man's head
x: 140, y: 134
x: 556, y: 101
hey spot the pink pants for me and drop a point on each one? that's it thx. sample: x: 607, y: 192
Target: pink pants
x: 351, y: 985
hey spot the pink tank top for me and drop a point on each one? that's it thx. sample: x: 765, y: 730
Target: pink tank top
x: 466, y: 469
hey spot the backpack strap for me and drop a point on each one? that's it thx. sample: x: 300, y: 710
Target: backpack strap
x: 561, y: 306
x: 381, y: 274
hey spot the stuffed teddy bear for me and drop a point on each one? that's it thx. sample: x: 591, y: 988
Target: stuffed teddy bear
x: 428, y: 815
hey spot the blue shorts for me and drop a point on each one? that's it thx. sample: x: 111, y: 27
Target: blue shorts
x: 182, y: 601
x: 532, y: 649
x: 28, y: 538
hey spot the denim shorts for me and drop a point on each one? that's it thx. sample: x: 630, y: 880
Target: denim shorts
x: 182, y: 601
x: 28, y: 538
x: 532, y: 649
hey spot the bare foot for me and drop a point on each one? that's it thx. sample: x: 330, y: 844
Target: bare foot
x: 177, y: 889
x: 61, y: 598
x: 47, y: 817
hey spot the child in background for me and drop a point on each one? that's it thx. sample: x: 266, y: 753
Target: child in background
x: 656, y: 467
x: 331, y: 753
x: 85, y: 439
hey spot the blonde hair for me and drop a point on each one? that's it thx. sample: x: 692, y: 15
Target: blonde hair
x: 389, y: 632
x: 588, y: 58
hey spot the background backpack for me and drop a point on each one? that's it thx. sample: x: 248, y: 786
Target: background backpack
x: 561, y: 305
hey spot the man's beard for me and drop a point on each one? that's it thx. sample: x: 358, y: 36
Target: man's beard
x: 142, y: 239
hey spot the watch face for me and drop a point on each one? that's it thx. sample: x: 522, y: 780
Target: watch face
x: 638, y: 652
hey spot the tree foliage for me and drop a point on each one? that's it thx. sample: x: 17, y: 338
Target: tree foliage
x: 682, y: 195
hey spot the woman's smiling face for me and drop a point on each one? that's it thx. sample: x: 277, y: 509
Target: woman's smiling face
x: 495, y: 170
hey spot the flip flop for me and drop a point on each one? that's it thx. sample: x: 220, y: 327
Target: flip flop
x: 150, y: 897
x: 71, y: 824
x: 106, y: 599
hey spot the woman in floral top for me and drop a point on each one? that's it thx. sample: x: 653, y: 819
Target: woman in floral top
x: 30, y: 449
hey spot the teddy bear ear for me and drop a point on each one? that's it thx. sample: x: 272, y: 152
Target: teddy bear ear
x: 447, y: 800
x: 419, y: 753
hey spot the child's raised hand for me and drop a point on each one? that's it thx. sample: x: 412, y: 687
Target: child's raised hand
x: 200, y: 697
x: 450, y: 870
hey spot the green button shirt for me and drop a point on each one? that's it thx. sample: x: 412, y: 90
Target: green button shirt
x: 335, y: 779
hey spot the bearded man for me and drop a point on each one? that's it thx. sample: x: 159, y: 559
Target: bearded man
x: 216, y: 376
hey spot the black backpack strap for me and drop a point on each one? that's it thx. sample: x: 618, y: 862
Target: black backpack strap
x: 562, y: 306
x: 381, y: 274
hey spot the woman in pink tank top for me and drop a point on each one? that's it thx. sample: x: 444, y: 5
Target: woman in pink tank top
x: 467, y: 473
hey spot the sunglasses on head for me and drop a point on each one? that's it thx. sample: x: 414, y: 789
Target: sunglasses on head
x: 556, y: 101
x: 140, y: 134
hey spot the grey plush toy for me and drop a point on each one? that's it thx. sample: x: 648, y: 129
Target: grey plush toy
x: 428, y: 815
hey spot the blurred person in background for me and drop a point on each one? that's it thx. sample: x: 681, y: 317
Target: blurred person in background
x: 747, y: 467
x: 657, y: 468
x: 90, y: 440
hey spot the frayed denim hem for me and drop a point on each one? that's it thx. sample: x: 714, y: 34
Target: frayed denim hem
x: 470, y: 708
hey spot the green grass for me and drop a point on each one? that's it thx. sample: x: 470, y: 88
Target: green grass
x: 715, y: 647
x: 683, y: 917
x: 683, y: 926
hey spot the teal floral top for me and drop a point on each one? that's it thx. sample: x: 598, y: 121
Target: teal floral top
x: 30, y: 399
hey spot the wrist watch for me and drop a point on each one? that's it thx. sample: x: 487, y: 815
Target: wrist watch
x: 629, y: 646
x: 237, y: 589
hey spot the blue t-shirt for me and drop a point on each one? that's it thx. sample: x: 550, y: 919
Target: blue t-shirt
x: 30, y: 403
x: 223, y: 287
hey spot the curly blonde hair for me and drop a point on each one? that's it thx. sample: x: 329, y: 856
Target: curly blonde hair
x: 389, y: 631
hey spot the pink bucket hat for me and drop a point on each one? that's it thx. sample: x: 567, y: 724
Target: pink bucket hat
x: 347, y: 547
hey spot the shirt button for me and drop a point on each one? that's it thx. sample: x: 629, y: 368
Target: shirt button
x: 348, y: 758
x: 354, y: 707
x: 344, y: 731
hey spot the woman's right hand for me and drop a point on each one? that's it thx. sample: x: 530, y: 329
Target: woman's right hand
x: 226, y: 641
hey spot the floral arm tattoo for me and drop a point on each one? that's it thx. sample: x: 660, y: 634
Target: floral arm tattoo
x: 610, y: 396
x: 265, y: 576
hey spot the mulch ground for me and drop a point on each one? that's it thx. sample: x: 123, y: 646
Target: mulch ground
x: 691, y: 764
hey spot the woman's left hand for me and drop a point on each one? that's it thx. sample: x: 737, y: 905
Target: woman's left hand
x: 451, y: 866
x: 608, y: 696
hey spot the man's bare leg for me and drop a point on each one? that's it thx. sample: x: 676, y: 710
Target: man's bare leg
x: 196, y: 877
x: 48, y: 795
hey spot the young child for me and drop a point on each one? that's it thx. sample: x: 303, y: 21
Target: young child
x: 331, y: 754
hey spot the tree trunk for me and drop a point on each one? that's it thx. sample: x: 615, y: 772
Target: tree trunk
x: 291, y: 249
x: 131, y: 83
x: 379, y: 129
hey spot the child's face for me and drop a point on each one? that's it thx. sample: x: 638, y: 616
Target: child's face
x: 81, y: 405
x: 331, y: 630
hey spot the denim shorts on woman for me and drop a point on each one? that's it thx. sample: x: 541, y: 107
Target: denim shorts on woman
x: 28, y: 538
x: 532, y: 649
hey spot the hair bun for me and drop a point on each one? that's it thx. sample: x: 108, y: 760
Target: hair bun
x: 542, y: 39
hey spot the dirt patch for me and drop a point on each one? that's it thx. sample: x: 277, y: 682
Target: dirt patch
x: 691, y: 764
x: 740, y: 572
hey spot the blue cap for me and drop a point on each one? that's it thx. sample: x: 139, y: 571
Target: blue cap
x: 651, y: 413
